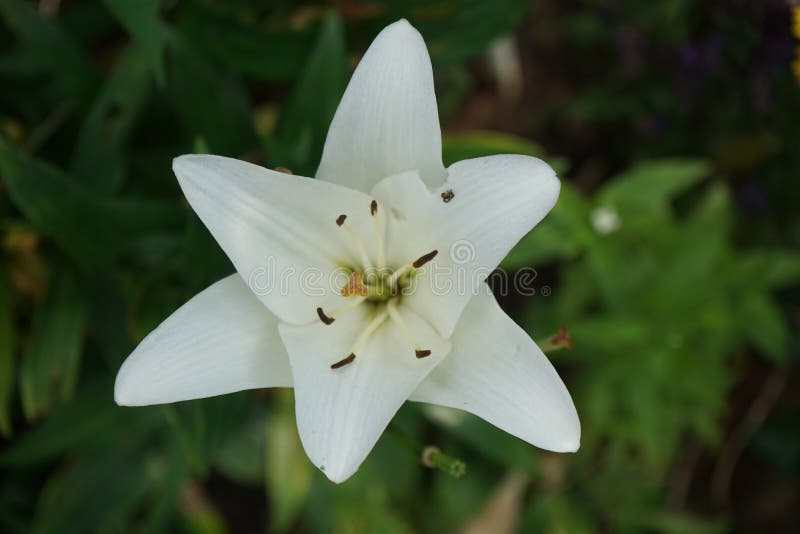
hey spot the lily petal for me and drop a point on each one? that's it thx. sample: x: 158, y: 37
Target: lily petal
x: 280, y: 231
x: 341, y: 413
x: 499, y: 374
x: 222, y: 340
x: 387, y: 121
x: 495, y: 201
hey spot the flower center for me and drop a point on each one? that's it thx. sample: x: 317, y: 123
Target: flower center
x: 378, y: 285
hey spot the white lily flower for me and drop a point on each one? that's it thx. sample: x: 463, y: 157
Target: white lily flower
x: 396, y: 325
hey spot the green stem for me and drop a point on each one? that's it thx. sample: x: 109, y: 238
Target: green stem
x: 430, y: 456
x: 434, y: 458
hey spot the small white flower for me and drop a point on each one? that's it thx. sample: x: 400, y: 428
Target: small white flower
x: 385, y: 210
x: 605, y: 220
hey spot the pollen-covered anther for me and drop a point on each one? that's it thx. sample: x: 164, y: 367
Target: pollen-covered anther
x: 344, y: 361
x: 422, y: 260
x: 422, y: 353
x: 324, y: 318
x: 373, y: 208
x: 340, y: 219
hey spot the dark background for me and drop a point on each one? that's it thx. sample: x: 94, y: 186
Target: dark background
x: 672, y: 259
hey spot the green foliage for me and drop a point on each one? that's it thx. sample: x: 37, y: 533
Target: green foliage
x: 464, y: 145
x: 141, y: 21
x: 668, y: 279
x: 300, y: 134
x: 88, y: 227
x: 6, y: 356
x: 50, y: 49
x: 98, y: 160
x: 49, y: 369
x: 287, y: 473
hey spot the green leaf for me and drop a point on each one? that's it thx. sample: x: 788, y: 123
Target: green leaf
x: 763, y: 324
x: 55, y: 205
x: 490, y: 441
x: 88, y: 228
x: 774, y: 268
x: 217, y: 32
x: 93, y: 493
x: 201, y: 427
x: 140, y: 19
x: 203, y: 261
x: 476, y: 144
x: 170, y: 477
x: 288, y: 470
x: 242, y: 457
x: 704, y: 245
x: 49, y: 370
x: 211, y: 104
x: 109, y: 317
x: 51, y: 48
x: 648, y: 187
x: 90, y: 422
x: 668, y: 522
x: 98, y: 159
x: 610, y: 333
x: 7, y: 344
x: 458, y: 30
x: 562, y: 234
x: 308, y: 112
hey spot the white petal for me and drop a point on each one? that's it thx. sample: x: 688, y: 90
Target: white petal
x: 496, y: 201
x: 498, y: 373
x: 341, y: 413
x: 387, y: 121
x: 279, y: 230
x: 222, y: 340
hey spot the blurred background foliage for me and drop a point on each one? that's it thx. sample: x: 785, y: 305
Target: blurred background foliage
x: 672, y: 257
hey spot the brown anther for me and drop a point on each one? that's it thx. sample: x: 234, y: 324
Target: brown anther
x: 340, y: 219
x: 422, y: 353
x: 354, y: 286
x: 562, y: 338
x: 344, y: 361
x: 447, y: 196
x: 324, y: 318
x: 373, y: 208
x: 284, y: 170
x: 422, y: 260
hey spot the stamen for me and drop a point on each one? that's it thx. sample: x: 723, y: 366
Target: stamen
x: 373, y: 209
x: 416, y: 264
x: 391, y: 307
x: 422, y: 260
x: 324, y: 318
x: 351, y: 303
x: 344, y: 361
x: 368, y: 331
x: 359, y: 244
